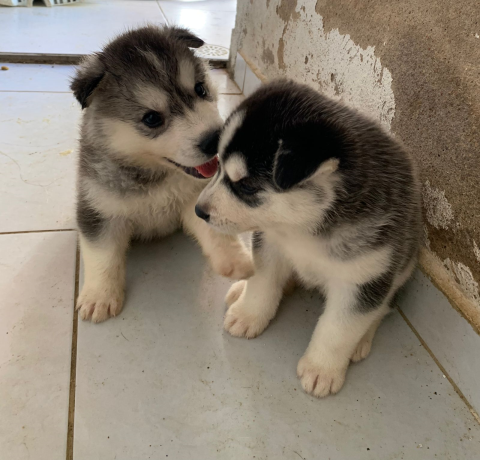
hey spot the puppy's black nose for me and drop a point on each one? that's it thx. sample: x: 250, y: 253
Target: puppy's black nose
x: 209, y: 143
x: 201, y: 213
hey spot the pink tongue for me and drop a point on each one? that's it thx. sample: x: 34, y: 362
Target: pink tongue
x: 208, y: 169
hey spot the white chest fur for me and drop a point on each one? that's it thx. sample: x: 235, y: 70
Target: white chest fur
x: 312, y: 259
x: 157, y: 210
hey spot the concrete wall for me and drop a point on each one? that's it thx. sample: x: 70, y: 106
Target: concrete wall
x: 415, y: 67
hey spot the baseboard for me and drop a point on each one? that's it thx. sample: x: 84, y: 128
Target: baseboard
x: 433, y: 267
x: 71, y: 59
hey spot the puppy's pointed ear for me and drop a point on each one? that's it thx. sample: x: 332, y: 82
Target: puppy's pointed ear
x: 304, y: 152
x: 187, y: 37
x: 88, y: 76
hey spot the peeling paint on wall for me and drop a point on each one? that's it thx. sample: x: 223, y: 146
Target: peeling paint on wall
x: 286, y: 10
x: 438, y: 210
x: 334, y: 63
x: 280, y: 53
x: 465, y: 279
x: 267, y: 56
x: 476, y: 251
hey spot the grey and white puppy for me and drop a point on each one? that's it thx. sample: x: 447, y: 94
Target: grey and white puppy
x: 334, y: 201
x: 148, y: 143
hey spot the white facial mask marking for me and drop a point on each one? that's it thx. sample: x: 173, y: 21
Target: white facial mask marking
x: 236, y: 168
x: 229, y: 130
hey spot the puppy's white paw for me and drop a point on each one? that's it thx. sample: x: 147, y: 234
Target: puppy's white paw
x: 233, y: 262
x: 98, y: 305
x: 319, y: 377
x: 235, y: 292
x: 362, y: 350
x: 241, y: 321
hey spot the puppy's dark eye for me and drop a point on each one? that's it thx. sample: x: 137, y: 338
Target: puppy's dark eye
x: 247, y: 188
x: 200, y: 90
x: 153, y: 119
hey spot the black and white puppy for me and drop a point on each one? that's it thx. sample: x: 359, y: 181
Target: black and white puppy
x: 334, y: 201
x: 148, y: 145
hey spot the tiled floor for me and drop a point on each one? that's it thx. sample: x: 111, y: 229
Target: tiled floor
x: 213, y: 21
x: 38, y: 133
x: 163, y: 379
x: 37, y: 282
x: 84, y: 27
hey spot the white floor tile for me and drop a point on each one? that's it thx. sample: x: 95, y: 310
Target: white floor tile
x: 450, y: 337
x: 162, y: 379
x: 211, y: 25
x: 223, y: 82
x: 38, y: 139
x: 37, y: 275
x: 75, y: 29
x: 36, y: 77
x: 227, y: 103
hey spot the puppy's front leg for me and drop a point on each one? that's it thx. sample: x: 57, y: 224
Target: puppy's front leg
x: 342, y: 328
x: 227, y: 254
x: 103, y: 257
x: 253, y: 303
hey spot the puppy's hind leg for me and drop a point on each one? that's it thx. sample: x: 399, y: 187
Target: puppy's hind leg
x: 103, y: 248
x: 365, y: 345
x: 352, y: 315
x: 227, y: 254
x: 236, y: 290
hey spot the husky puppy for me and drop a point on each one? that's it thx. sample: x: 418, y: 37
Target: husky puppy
x: 332, y: 200
x: 148, y: 144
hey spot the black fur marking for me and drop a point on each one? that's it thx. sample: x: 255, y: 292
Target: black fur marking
x: 290, y: 168
x: 184, y: 35
x: 250, y: 200
x: 257, y: 240
x: 371, y: 295
x: 90, y: 221
x: 83, y: 87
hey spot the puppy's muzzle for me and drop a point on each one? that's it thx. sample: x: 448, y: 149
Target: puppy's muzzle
x: 209, y: 143
x: 200, y: 212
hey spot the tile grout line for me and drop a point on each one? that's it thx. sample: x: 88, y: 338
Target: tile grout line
x: 437, y: 362
x: 73, y: 366
x: 39, y: 231
x: 33, y: 91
